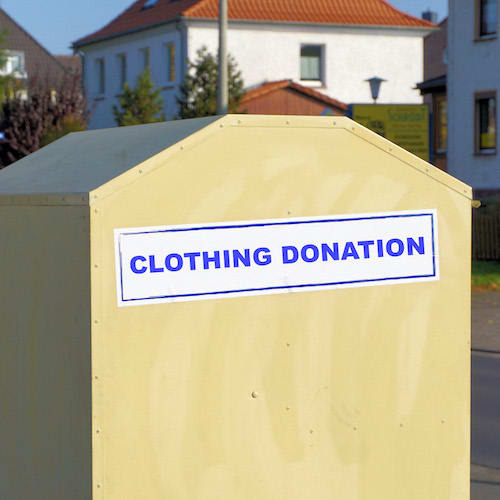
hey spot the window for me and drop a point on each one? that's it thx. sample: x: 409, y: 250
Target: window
x: 149, y: 4
x: 441, y: 122
x: 311, y: 62
x: 144, y: 58
x: 14, y: 63
x: 101, y: 76
x: 486, y: 122
x: 486, y: 18
x: 122, y: 69
x: 170, y: 61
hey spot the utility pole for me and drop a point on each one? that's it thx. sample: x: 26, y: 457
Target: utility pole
x: 222, y: 90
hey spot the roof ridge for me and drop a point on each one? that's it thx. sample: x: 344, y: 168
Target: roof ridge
x: 408, y: 16
x: 193, y: 10
x: 375, y: 13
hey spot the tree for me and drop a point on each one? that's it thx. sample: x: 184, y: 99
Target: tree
x: 142, y: 104
x: 7, y: 82
x: 47, y: 114
x: 199, y: 90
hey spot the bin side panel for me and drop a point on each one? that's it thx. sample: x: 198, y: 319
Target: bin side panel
x: 45, y: 417
x: 358, y: 394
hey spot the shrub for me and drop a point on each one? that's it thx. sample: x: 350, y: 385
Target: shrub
x: 31, y: 123
x: 142, y: 104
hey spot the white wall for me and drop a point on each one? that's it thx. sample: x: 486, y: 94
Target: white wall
x: 272, y: 52
x: 472, y: 67
x: 265, y: 53
x: 100, y: 106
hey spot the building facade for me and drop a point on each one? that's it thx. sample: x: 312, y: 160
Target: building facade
x: 433, y: 88
x: 332, y: 46
x: 28, y: 62
x: 473, y: 87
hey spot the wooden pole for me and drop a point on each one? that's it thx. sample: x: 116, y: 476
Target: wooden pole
x: 222, y: 90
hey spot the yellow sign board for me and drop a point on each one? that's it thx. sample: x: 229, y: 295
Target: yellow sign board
x: 407, y: 125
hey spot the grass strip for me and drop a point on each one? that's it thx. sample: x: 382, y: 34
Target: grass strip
x: 485, y: 275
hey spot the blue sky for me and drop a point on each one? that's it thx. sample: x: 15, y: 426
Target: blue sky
x: 56, y: 23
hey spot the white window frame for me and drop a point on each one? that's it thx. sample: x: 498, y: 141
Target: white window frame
x: 166, y: 52
x: 145, y: 58
x: 8, y: 70
x: 121, y: 63
x: 478, y: 21
x: 100, y: 68
x: 322, y: 66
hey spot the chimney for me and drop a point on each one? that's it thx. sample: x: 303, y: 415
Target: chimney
x: 430, y: 15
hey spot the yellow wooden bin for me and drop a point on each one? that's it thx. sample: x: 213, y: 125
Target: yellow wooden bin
x: 323, y: 353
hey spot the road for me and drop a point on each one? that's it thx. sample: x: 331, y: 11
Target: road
x: 485, y: 438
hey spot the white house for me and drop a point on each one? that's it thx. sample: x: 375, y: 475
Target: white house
x: 332, y: 45
x: 473, y: 87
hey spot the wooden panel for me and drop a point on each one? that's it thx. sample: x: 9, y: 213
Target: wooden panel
x: 288, y: 102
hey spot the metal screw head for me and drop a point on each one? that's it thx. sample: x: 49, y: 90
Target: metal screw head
x: 255, y: 394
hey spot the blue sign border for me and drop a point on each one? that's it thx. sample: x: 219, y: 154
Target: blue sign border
x: 290, y: 223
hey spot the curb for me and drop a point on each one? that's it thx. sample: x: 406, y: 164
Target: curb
x: 485, y: 351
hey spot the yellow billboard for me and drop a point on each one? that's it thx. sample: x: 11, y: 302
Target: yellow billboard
x: 407, y: 125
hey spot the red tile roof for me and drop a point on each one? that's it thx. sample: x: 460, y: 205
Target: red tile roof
x: 351, y: 12
x: 268, y: 87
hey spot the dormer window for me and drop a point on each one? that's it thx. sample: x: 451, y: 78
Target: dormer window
x: 149, y: 4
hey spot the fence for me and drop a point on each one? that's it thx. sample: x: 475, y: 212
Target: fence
x: 486, y: 235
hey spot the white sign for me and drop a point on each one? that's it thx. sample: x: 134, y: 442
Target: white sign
x: 211, y: 261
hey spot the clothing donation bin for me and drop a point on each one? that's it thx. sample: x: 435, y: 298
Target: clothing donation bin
x: 237, y: 307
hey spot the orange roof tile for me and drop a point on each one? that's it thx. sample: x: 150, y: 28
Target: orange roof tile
x: 268, y: 87
x: 351, y: 12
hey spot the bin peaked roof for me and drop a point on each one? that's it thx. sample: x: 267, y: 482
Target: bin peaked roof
x: 81, y: 162
x: 348, y: 12
x: 84, y: 166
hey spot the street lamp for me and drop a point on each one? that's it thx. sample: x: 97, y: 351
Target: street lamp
x: 375, y: 83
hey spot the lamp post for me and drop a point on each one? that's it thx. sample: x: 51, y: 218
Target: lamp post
x: 222, y: 88
x: 375, y: 83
